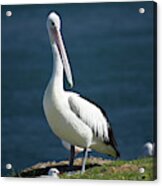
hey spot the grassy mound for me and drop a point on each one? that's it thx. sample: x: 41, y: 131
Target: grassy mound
x: 97, y: 168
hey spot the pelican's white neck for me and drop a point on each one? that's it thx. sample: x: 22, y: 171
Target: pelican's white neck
x: 57, y: 74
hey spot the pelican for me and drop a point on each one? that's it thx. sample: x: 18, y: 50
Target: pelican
x: 71, y: 117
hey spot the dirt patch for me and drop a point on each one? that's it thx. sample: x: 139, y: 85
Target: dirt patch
x: 124, y: 168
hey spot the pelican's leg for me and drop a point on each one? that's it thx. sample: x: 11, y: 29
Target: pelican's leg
x: 85, y: 154
x: 72, y: 154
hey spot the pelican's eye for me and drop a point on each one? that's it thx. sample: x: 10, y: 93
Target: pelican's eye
x: 52, y: 23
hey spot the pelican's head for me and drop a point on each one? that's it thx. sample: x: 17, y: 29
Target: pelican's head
x: 53, y: 23
x: 54, y: 27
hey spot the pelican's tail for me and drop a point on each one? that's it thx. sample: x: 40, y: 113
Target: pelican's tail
x: 113, y: 143
x: 116, y: 153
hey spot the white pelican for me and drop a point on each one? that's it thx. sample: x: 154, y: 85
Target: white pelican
x: 71, y: 117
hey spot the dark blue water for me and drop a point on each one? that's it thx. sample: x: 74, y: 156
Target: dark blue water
x: 111, y: 53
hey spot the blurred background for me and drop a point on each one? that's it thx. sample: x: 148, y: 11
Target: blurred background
x: 110, y: 46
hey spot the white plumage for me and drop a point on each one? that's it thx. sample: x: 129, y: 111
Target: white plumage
x: 71, y: 117
x: 90, y: 115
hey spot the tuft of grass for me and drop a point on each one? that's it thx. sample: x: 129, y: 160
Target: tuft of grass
x: 99, y: 169
x: 118, y: 170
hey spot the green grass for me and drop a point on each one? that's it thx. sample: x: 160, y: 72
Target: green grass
x: 118, y: 170
x: 97, y: 168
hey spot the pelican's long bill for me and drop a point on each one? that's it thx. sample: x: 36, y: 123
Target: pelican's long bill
x: 62, y: 52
